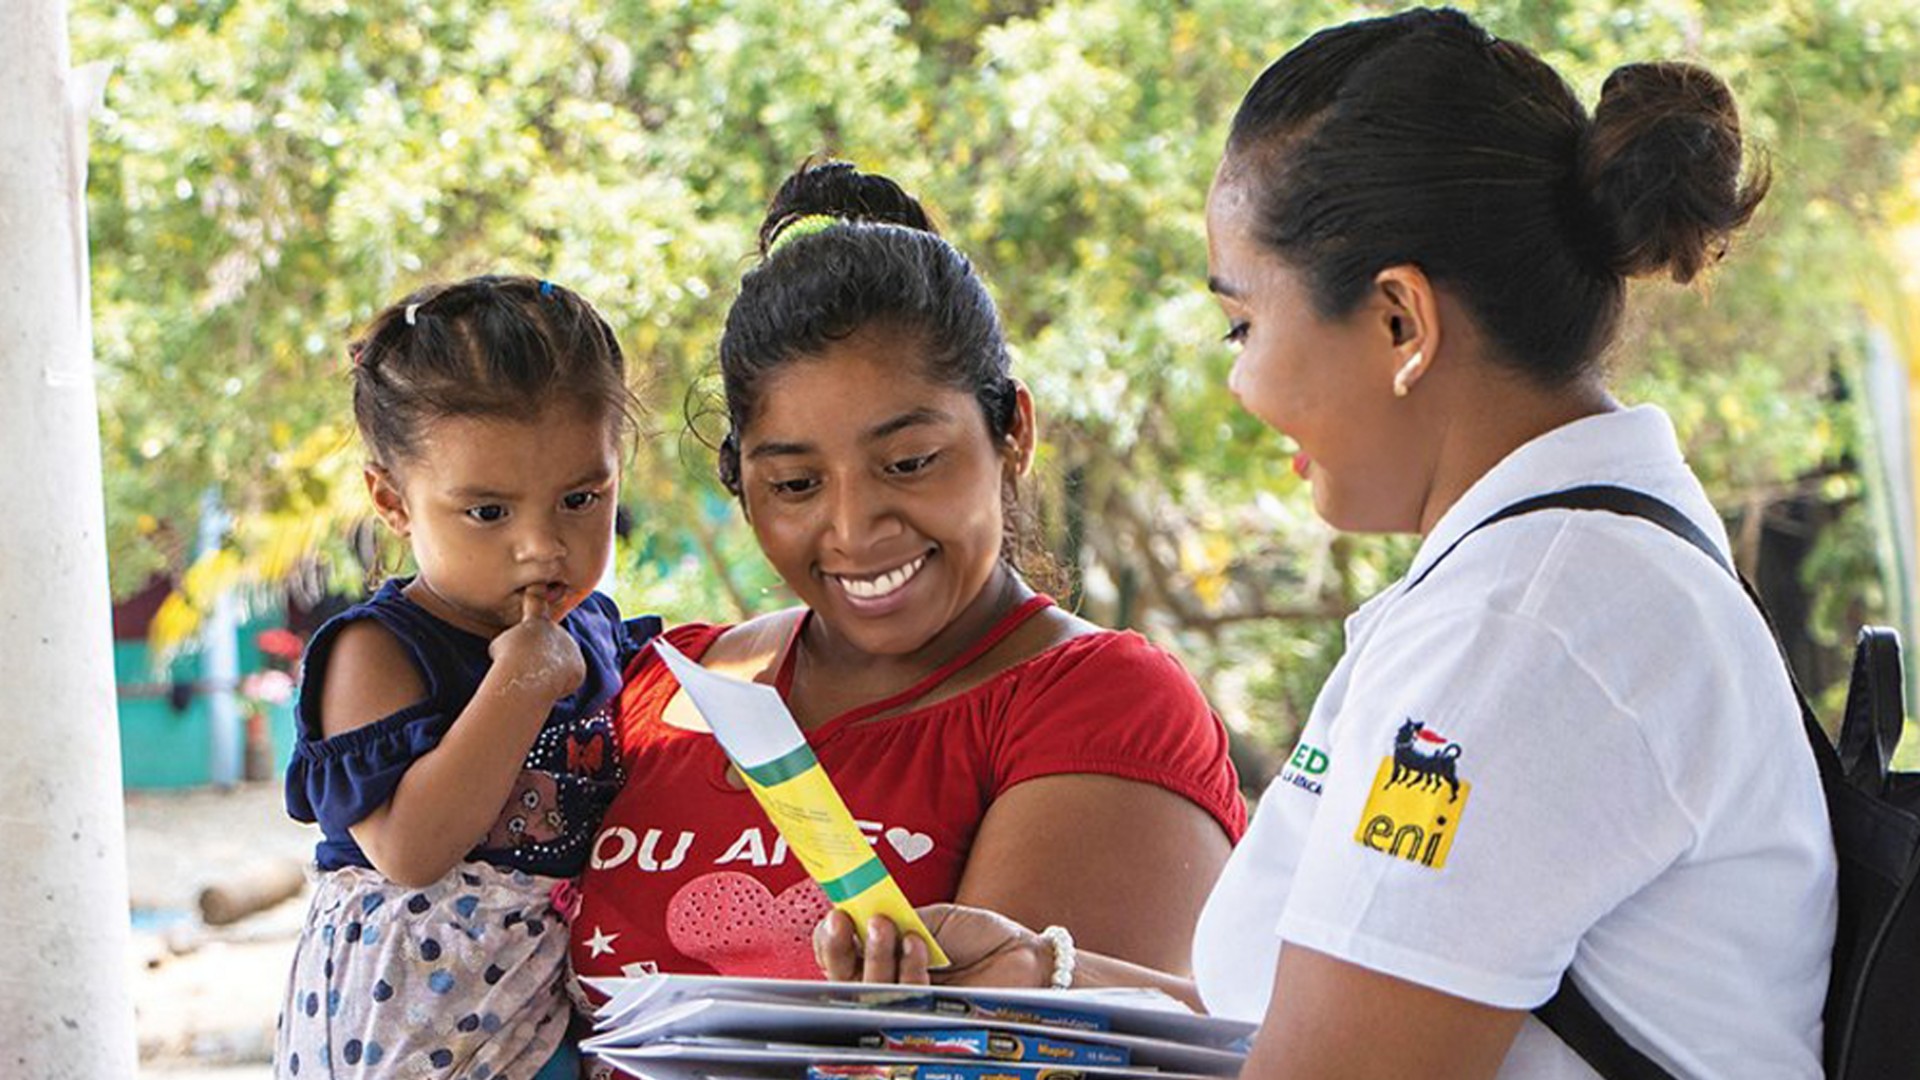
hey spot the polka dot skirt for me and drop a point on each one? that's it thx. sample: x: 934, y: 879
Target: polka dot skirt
x: 462, y: 979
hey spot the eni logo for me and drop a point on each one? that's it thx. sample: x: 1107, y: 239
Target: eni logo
x: 1413, y: 809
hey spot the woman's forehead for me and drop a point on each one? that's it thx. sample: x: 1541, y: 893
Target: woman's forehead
x: 1232, y: 207
x: 856, y: 387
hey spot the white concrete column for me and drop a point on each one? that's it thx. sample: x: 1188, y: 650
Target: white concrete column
x: 65, y: 1006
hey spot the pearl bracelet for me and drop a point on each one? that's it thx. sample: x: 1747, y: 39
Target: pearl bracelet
x: 1063, y: 956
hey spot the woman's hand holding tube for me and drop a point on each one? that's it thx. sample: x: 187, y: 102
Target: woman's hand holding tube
x: 986, y: 949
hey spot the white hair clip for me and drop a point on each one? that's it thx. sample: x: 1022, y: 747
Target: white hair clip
x: 412, y: 309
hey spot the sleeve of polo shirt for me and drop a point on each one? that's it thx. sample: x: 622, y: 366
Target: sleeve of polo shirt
x: 1487, y: 801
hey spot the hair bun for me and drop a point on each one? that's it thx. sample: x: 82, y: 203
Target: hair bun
x: 838, y: 189
x: 1661, y: 166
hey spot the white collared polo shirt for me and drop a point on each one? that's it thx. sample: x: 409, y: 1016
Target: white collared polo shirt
x: 1573, y: 743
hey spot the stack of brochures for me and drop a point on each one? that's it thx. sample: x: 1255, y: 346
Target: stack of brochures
x: 699, y: 1027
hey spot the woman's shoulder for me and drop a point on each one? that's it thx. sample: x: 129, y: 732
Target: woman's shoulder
x: 759, y: 640
x: 1588, y: 581
x: 1070, y: 655
x: 1113, y: 703
x: 739, y: 649
x: 1054, y: 625
x: 1075, y: 640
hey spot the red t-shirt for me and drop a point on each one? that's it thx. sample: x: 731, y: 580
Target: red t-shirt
x: 688, y: 875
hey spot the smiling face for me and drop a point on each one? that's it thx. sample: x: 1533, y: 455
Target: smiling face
x: 878, y: 494
x: 1325, y: 383
x: 495, y: 507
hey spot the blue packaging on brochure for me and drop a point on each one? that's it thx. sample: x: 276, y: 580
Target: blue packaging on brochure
x: 990, y: 1009
x: 999, y: 1045
x: 942, y: 1071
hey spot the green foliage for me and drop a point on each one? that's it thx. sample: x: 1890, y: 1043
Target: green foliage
x: 268, y: 175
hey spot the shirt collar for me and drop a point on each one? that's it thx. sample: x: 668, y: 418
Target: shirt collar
x: 1605, y: 447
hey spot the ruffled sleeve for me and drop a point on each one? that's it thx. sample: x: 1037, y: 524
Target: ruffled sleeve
x: 340, y: 780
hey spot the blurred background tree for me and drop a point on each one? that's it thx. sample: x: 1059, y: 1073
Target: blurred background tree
x: 268, y: 175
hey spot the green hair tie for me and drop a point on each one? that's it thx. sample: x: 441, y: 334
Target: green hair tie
x: 795, y: 228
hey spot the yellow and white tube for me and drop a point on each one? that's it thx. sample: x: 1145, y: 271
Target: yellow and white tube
x: 759, y: 735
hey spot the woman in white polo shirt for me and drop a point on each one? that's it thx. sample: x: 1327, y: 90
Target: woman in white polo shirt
x: 1573, y: 745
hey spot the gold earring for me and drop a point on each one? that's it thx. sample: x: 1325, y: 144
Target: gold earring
x: 1407, y: 370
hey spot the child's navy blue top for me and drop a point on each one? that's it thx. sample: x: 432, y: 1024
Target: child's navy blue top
x: 570, y: 775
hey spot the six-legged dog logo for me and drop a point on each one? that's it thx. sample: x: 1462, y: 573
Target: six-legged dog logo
x: 1425, y: 758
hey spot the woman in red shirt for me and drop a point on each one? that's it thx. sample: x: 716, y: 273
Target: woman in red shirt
x: 996, y: 750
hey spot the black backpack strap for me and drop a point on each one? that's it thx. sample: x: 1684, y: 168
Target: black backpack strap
x: 1618, y: 500
x: 1876, y: 711
x: 1569, y: 1014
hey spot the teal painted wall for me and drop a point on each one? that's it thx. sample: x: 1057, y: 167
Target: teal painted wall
x: 161, y: 748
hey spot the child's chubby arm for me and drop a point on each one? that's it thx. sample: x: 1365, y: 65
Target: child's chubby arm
x: 450, y: 797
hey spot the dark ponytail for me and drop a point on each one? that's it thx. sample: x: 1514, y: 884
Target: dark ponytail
x: 1419, y: 138
x: 836, y: 189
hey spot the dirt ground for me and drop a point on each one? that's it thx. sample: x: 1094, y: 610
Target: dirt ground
x: 205, y: 998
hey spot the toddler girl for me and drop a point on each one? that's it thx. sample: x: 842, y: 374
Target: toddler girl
x: 454, y: 741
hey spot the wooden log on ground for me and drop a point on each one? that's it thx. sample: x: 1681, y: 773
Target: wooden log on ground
x: 252, y: 888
